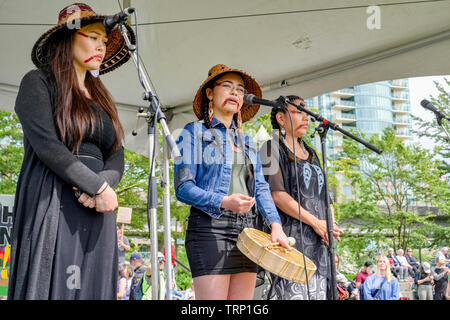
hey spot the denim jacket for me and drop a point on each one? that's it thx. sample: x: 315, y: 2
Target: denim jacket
x: 202, y: 176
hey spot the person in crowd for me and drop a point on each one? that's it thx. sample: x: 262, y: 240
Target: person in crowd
x: 220, y: 176
x: 123, y: 245
x: 447, y: 293
x: 125, y: 279
x: 139, y: 277
x: 443, y: 254
x: 412, y: 261
x: 176, y: 294
x: 346, y: 288
x: 440, y: 276
x: 362, y: 275
x: 424, y: 282
x: 397, y: 269
x: 280, y: 156
x: 190, y: 292
x: 382, y: 285
x: 147, y: 285
x: 404, y: 263
x: 64, y: 224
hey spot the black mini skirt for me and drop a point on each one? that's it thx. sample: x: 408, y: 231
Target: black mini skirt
x: 211, y: 243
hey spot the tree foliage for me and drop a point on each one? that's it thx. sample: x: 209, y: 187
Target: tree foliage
x: 11, y: 151
x: 393, y: 193
x: 433, y: 130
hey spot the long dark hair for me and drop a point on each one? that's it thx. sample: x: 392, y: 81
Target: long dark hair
x: 276, y: 110
x: 276, y: 125
x: 73, y: 114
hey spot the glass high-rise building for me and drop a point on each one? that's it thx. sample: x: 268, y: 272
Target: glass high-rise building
x: 367, y: 108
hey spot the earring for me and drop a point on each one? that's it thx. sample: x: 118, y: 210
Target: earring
x: 239, y: 120
x: 210, y: 111
x: 283, y: 132
x: 95, y: 73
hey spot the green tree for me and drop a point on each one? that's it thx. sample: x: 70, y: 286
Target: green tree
x: 433, y: 130
x: 11, y: 151
x: 387, y: 191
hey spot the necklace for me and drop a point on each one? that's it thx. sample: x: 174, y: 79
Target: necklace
x: 305, y: 153
x: 303, y: 146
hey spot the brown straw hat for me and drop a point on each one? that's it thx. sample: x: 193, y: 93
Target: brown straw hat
x: 247, y: 111
x: 76, y: 16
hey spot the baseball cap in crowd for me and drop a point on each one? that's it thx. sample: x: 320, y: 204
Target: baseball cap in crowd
x: 135, y: 256
x: 160, y: 257
x: 426, y: 267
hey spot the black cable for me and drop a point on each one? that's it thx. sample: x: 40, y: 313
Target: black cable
x: 253, y: 15
x: 286, y: 12
x: 299, y: 206
x: 139, y: 62
x: 154, y: 119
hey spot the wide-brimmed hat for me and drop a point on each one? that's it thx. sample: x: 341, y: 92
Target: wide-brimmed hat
x: 76, y: 16
x: 247, y: 111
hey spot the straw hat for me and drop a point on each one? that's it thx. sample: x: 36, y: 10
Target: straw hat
x: 75, y: 16
x: 247, y: 111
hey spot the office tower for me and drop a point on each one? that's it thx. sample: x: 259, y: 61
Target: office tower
x: 367, y: 108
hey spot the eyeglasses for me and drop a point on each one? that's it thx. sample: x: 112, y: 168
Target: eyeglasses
x: 296, y: 112
x: 229, y: 87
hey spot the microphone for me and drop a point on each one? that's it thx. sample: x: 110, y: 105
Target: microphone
x: 110, y: 22
x: 252, y: 99
x: 427, y: 105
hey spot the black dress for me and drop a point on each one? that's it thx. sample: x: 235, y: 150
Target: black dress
x: 279, y: 170
x: 61, y: 249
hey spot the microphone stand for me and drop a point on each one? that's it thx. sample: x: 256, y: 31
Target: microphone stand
x: 322, y: 129
x: 153, y: 115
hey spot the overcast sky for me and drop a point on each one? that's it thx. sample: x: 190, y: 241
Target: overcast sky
x: 421, y: 88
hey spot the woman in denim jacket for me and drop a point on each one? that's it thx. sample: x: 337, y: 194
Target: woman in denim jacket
x: 224, y: 186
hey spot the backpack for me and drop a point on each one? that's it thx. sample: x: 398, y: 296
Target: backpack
x: 136, y: 291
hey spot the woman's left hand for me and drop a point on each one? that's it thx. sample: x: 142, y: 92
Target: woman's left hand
x: 337, y: 232
x: 278, y: 235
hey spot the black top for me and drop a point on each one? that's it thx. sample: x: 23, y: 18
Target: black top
x: 98, y: 143
x: 279, y: 170
x: 421, y: 276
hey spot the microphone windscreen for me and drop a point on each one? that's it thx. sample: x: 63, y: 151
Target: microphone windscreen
x: 248, y: 98
x: 424, y: 103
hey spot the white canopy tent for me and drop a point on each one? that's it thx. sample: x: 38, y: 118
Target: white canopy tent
x: 305, y: 47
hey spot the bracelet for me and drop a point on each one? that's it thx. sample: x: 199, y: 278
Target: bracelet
x: 102, y: 190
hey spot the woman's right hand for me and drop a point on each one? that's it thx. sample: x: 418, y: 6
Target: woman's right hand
x: 238, y: 203
x: 106, y: 201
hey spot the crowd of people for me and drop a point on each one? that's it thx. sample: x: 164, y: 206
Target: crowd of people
x: 427, y: 282
x: 379, y: 281
x: 134, y: 281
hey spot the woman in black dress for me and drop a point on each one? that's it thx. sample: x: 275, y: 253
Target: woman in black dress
x: 278, y: 161
x: 64, y: 243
